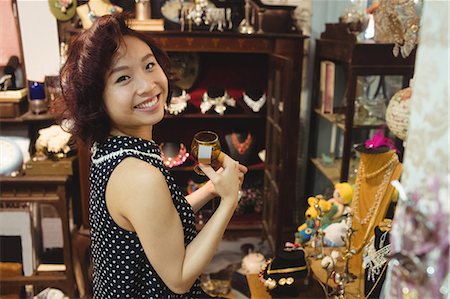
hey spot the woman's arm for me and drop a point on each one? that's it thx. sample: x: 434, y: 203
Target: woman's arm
x: 139, y: 200
x: 201, y: 196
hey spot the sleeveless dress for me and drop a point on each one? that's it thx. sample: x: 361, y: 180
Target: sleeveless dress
x: 120, y: 266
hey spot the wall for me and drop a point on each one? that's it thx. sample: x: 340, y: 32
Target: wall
x: 40, y: 42
x: 9, y: 34
x: 322, y: 12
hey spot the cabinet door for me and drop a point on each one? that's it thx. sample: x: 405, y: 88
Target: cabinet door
x: 276, y: 210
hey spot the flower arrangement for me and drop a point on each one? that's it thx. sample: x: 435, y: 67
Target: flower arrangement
x: 53, y: 142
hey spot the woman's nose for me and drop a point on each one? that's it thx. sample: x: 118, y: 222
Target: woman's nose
x: 144, y: 85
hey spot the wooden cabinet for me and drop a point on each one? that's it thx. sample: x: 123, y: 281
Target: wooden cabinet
x: 55, y: 191
x: 272, y: 62
x: 356, y: 59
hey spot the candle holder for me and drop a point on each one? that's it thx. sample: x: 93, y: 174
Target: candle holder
x: 245, y: 27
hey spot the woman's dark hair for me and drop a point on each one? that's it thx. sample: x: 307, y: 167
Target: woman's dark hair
x: 83, y: 75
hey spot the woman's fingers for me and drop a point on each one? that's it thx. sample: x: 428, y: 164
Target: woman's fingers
x: 243, y: 168
x: 208, y: 170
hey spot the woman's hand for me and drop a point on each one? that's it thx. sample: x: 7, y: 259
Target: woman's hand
x: 228, y: 180
x: 242, y: 171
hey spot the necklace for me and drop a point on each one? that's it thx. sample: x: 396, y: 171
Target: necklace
x: 241, y: 147
x: 112, y: 155
x: 178, y: 103
x: 93, y: 16
x: 254, y: 105
x: 389, y: 169
x: 219, y: 103
x: 374, y: 259
x: 176, y: 160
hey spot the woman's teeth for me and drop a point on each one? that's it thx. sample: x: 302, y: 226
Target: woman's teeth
x: 147, y: 104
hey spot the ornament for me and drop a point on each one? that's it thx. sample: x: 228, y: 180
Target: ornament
x: 397, y: 113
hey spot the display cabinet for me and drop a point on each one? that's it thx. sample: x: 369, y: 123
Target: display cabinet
x: 352, y: 60
x: 238, y: 63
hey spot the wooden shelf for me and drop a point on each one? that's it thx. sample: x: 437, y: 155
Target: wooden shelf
x: 216, y: 116
x: 332, y: 172
x: 28, y: 117
x: 339, y: 120
x: 332, y: 118
x: 52, y: 190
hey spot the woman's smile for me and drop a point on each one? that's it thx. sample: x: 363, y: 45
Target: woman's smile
x: 148, y: 105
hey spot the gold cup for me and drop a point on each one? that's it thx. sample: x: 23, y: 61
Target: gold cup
x: 205, y: 148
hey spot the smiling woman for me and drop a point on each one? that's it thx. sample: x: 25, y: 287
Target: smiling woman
x: 144, y: 243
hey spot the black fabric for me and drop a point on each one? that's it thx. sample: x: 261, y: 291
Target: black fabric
x: 120, y: 266
x: 372, y: 289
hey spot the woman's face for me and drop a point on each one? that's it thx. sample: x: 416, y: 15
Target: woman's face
x: 136, y: 89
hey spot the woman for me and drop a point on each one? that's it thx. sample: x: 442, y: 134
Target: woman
x: 144, y: 242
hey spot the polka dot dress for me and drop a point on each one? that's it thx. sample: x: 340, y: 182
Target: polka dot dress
x: 121, y: 268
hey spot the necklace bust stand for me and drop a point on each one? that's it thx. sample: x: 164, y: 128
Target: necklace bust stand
x: 240, y: 146
x: 377, y: 249
x: 179, y: 102
x: 372, y: 196
x: 217, y: 100
x: 94, y: 9
x: 255, y: 99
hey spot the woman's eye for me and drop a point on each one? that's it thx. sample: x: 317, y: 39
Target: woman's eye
x: 150, y: 65
x: 121, y: 79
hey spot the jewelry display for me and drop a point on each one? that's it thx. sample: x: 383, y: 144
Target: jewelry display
x: 349, y: 253
x: 387, y: 169
x: 318, y: 239
x: 93, y: 16
x: 241, y: 147
x: 286, y: 273
x: 170, y: 157
x: 178, y: 104
x: 251, y: 198
x: 255, y: 105
x: 219, y: 102
x: 374, y: 259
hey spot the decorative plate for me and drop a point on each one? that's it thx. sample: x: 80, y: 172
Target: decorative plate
x: 11, y: 159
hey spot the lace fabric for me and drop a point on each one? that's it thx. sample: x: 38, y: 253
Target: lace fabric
x: 419, y: 265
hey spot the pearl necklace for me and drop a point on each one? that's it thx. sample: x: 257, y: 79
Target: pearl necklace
x: 254, y: 105
x: 389, y: 169
x: 219, y: 103
x: 178, y: 104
